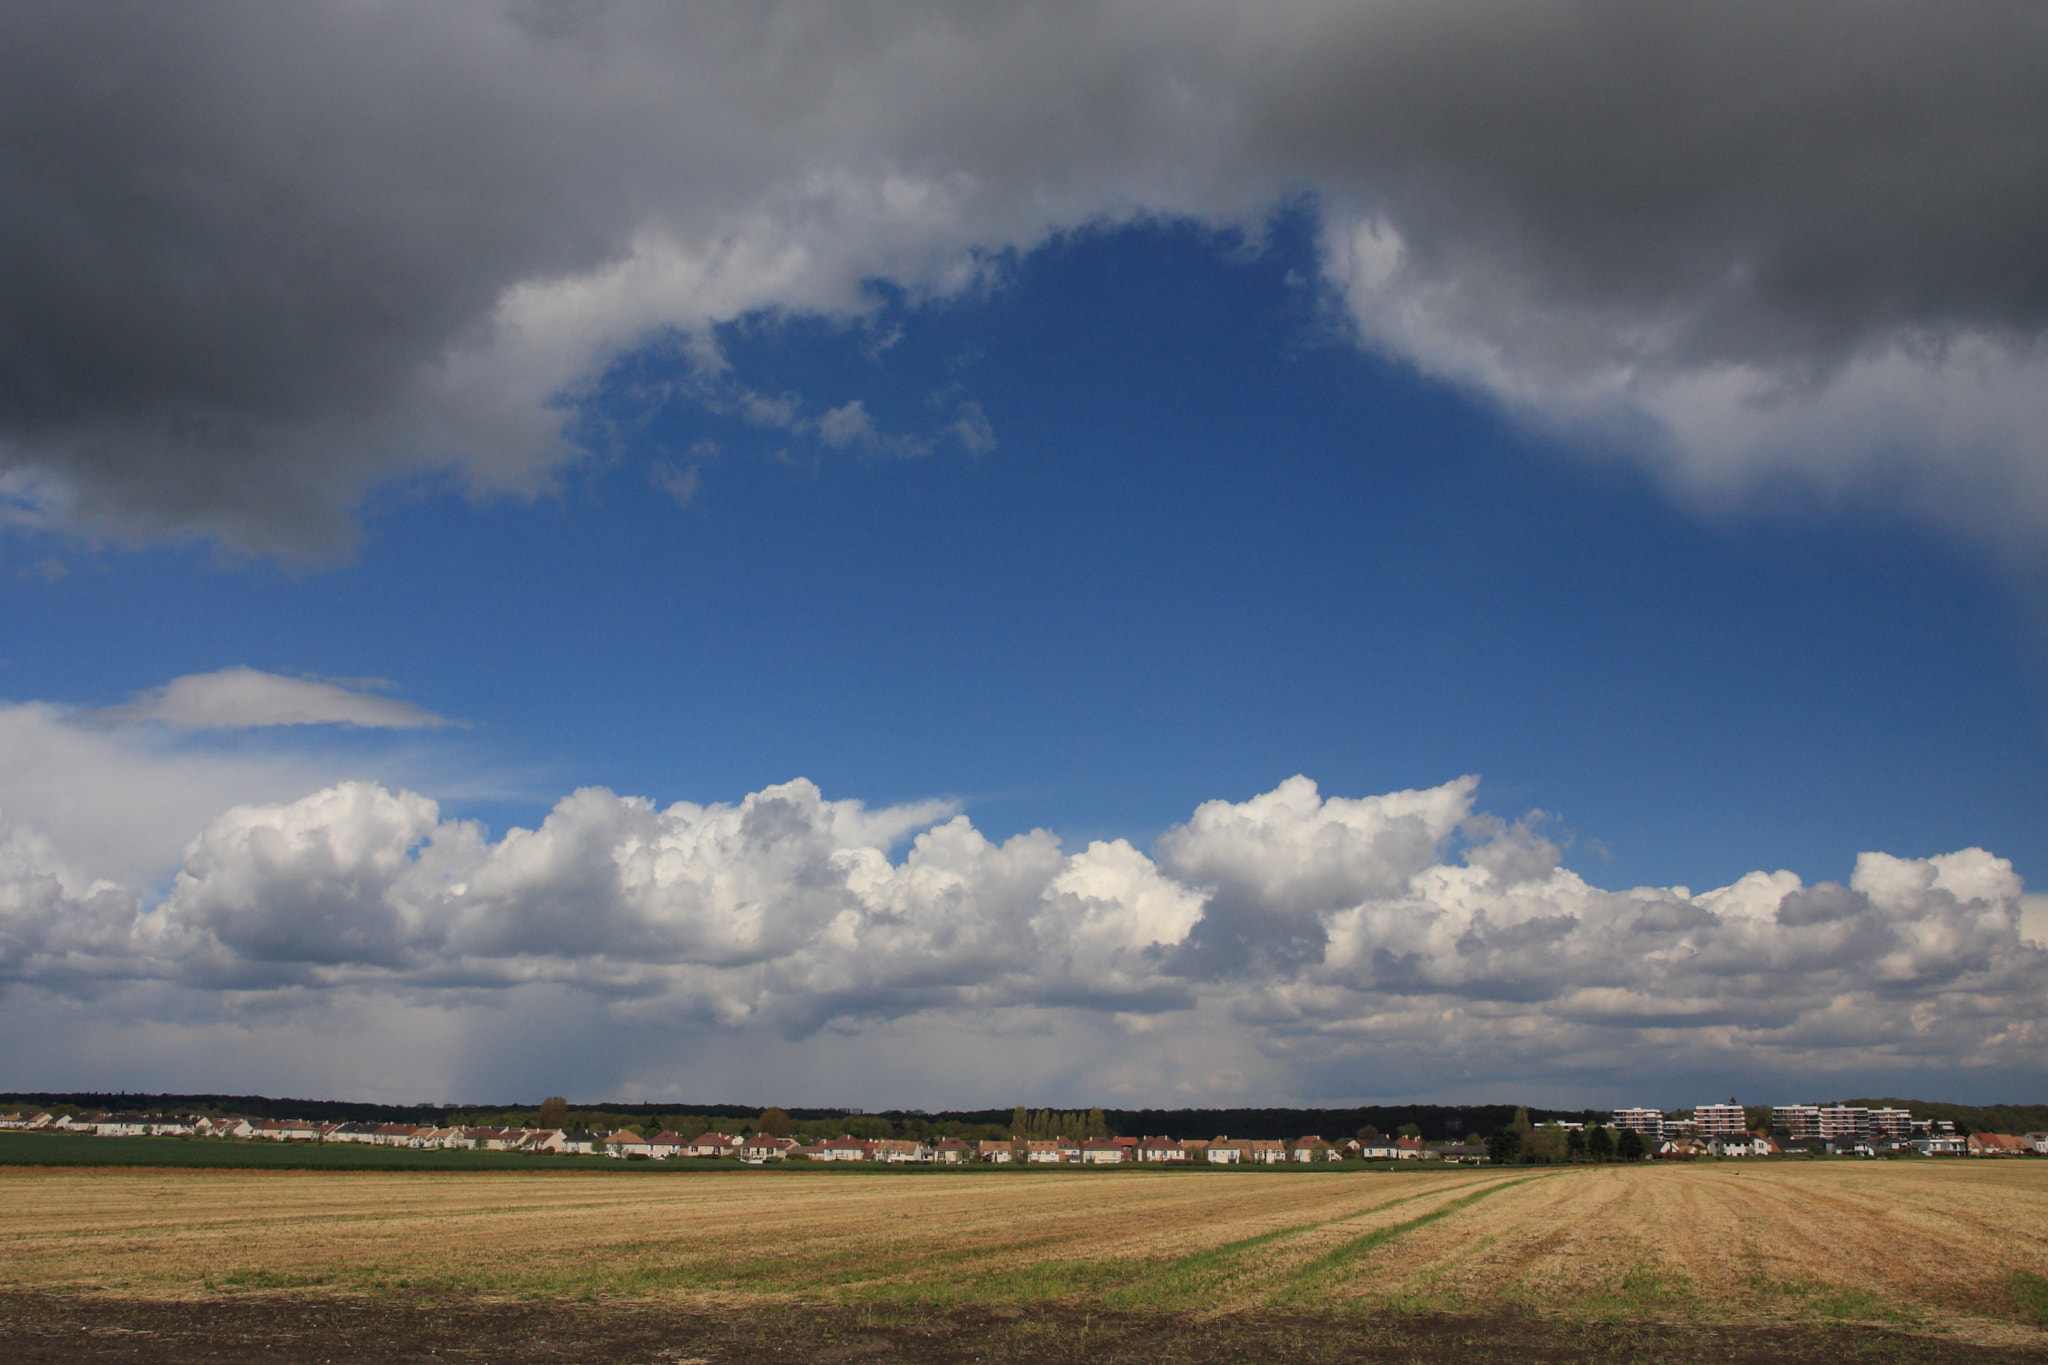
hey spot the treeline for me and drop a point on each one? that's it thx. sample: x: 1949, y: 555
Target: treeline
x: 224, y: 1106
x: 1050, y: 1123
x: 614, y: 1115
x: 554, y: 1112
x: 1526, y: 1142
x: 1434, y: 1122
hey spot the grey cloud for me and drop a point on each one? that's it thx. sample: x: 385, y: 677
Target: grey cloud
x: 1803, y: 177
x: 257, y: 258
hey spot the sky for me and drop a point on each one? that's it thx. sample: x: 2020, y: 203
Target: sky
x: 946, y: 555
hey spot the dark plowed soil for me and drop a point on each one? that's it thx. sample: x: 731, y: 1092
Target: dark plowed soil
x: 270, y: 1330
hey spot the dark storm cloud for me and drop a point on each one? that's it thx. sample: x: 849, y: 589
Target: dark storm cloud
x: 255, y: 259
x: 1812, y: 174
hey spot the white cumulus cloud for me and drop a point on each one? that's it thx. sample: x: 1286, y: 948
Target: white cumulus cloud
x: 1291, y: 944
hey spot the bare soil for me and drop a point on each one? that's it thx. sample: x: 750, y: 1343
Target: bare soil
x: 262, y: 1329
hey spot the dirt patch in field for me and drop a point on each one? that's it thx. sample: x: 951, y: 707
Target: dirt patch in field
x: 262, y: 1329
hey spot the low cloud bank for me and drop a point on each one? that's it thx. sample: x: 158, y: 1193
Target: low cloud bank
x: 1315, y: 945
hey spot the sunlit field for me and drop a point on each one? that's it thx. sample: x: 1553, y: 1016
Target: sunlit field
x: 1953, y: 1247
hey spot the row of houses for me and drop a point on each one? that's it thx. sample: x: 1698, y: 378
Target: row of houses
x: 629, y: 1145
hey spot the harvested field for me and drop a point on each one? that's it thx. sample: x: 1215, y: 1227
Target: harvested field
x: 1954, y: 1251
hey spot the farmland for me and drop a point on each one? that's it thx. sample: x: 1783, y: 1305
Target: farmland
x: 1955, y: 1252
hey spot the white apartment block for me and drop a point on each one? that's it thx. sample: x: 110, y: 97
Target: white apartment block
x: 1720, y: 1120
x: 1895, y: 1124
x: 1648, y: 1122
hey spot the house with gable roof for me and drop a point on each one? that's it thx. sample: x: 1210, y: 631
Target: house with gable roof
x: 843, y: 1149
x: 766, y: 1147
x: 713, y: 1144
x: 626, y: 1144
x: 1997, y: 1144
x: 121, y: 1125
x: 569, y: 1142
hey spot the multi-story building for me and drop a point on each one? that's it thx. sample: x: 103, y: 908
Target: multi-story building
x: 1797, y: 1121
x: 1844, y: 1121
x: 1840, y: 1122
x: 1648, y: 1122
x: 1721, y: 1120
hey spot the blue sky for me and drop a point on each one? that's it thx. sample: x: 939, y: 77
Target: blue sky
x: 1042, y: 523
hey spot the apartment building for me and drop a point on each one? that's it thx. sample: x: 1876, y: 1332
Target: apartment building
x: 1720, y: 1120
x: 1840, y: 1121
x: 1648, y: 1122
x: 1798, y: 1121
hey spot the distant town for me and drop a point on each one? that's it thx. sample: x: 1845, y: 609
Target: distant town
x: 1720, y: 1130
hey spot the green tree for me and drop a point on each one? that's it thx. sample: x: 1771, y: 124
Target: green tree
x: 773, y: 1121
x: 1368, y: 1136
x: 1098, y: 1126
x: 1409, y: 1130
x: 1545, y: 1146
x: 1575, y: 1143
x: 1599, y: 1142
x: 1020, y: 1121
x: 1629, y: 1146
x: 554, y: 1112
x: 1505, y: 1147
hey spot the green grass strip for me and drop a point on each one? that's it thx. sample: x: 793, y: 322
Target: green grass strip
x: 2030, y: 1293
x: 1309, y: 1276
x: 1180, y: 1283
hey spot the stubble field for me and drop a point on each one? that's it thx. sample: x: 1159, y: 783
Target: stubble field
x: 1935, y: 1252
